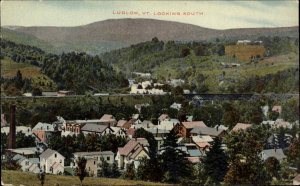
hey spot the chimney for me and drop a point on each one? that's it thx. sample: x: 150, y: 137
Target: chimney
x: 218, y: 127
x: 12, y: 128
x: 147, y: 125
x: 156, y: 132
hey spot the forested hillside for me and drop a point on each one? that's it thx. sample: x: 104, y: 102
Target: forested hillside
x: 79, y: 72
x: 207, y: 69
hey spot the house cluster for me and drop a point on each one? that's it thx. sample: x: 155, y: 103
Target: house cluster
x: 147, y: 87
x: 195, y: 138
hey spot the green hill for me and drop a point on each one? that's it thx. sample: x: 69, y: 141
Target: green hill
x: 26, y: 39
x: 9, y: 69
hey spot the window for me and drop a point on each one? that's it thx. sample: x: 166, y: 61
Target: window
x: 60, y: 161
x: 107, y: 158
x: 55, y: 155
x: 27, y: 163
x: 94, y: 162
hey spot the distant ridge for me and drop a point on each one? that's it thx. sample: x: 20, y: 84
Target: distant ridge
x: 115, y: 33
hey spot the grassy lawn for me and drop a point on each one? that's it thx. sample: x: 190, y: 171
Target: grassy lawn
x: 30, y: 179
x: 9, y: 69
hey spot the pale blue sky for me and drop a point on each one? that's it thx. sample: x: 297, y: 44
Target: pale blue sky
x: 216, y: 14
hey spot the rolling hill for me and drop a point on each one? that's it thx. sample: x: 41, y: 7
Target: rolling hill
x: 112, y: 34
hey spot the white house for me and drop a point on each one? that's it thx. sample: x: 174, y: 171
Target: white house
x: 137, y: 89
x: 132, y: 152
x: 52, y: 162
x: 167, y: 124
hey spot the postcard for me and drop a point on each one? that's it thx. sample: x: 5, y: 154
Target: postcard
x: 150, y: 92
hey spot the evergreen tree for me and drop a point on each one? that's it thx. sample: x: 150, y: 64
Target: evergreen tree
x: 215, y: 162
x: 105, y: 170
x: 80, y: 169
x: 175, y: 166
x: 142, y: 133
x: 130, y: 172
x: 115, y: 173
x: 272, y: 166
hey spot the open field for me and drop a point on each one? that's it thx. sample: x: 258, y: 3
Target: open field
x: 30, y: 179
x: 244, y: 52
x: 9, y: 69
x: 211, y: 68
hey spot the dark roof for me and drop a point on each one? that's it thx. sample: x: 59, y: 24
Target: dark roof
x: 94, y: 153
x: 94, y: 128
x: 207, y: 131
x: 276, y: 153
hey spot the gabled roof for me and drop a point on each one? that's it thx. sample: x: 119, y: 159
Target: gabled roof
x: 241, y: 126
x: 43, y: 126
x: 276, y: 153
x: 163, y: 117
x: 94, y: 128
x: 107, y: 118
x: 47, y: 153
x: 193, y: 124
x: 121, y: 123
x: 207, y: 131
x: 202, y: 138
x: 133, y: 145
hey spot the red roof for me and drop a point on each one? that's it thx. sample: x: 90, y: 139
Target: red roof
x: 130, y: 131
x: 241, y: 126
x: 193, y: 124
x: 132, y: 146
